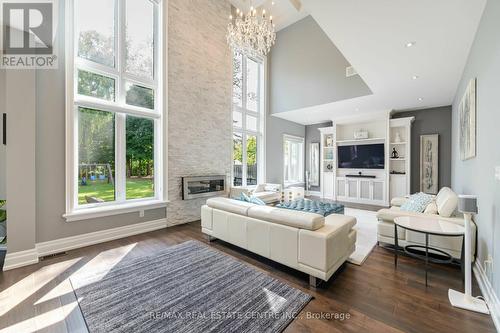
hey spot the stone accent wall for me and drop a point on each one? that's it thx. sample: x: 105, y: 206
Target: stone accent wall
x: 199, y: 97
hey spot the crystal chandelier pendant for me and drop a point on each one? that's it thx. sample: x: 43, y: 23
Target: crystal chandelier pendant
x: 252, y: 34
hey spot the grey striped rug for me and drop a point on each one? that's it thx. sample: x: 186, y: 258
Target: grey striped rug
x: 185, y: 288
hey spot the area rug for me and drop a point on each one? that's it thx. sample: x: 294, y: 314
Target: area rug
x: 366, y: 228
x: 185, y: 288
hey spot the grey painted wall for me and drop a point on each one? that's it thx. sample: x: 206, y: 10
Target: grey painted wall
x: 3, y: 151
x: 50, y: 160
x: 196, y: 117
x: 430, y: 121
x: 476, y: 176
x: 275, y: 128
x: 314, y: 135
x: 306, y: 69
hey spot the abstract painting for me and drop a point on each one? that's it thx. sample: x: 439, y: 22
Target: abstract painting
x: 429, y: 154
x: 467, y: 114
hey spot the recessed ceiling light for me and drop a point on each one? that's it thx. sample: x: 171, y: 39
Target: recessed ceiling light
x: 420, y: 99
x: 414, y: 77
x: 410, y: 44
x: 357, y: 109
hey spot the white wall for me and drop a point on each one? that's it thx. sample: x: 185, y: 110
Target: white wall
x: 200, y: 118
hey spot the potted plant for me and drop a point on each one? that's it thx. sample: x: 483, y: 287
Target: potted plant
x: 3, y: 233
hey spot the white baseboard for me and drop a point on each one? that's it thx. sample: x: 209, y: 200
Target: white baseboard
x: 29, y: 257
x: 74, y: 242
x: 20, y: 259
x: 488, y: 293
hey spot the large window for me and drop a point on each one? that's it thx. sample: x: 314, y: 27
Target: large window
x: 115, y: 114
x: 293, y: 151
x: 248, y: 120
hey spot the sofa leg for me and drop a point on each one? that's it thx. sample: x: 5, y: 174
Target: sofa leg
x: 314, y: 281
x: 209, y: 238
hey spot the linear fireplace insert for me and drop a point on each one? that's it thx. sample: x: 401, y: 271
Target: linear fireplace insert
x: 202, y: 186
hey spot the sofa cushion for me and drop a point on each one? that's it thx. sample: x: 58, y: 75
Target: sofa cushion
x: 230, y: 205
x: 301, y: 220
x: 446, y: 201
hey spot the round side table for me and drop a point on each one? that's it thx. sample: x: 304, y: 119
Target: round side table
x: 428, y: 227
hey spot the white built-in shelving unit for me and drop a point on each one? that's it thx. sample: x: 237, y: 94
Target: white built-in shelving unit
x: 328, y: 164
x: 336, y: 184
x: 400, y: 168
x: 383, y: 184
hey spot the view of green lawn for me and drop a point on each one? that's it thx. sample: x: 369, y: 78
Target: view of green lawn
x: 137, y: 188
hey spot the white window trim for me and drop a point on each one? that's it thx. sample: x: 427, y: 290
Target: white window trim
x: 299, y: 139
x: 159, y: 115
x: 260, y: 114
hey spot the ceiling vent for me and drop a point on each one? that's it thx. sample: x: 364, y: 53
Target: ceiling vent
x: 350, y: 71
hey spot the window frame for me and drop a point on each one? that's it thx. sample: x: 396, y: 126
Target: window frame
x: 74, y: 101
x: 301, y: 141
x: 260, y: 114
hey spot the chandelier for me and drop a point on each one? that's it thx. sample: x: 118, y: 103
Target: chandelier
x: 251, y: 34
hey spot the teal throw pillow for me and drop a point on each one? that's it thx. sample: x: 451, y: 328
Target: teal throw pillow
x: 417, y: 202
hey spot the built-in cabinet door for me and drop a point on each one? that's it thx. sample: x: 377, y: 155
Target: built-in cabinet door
x: 352, y: 189
x: 364, y: 189
x: 378, y: 190
x: 341, y: 185
x: 328, y: 191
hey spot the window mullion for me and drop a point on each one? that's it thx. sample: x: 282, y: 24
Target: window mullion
x: 244, y: 159
x: 120, y: 157
x: 244, y: 86
x: 121, y: 38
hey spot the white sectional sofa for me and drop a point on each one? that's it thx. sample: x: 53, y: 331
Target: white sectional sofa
x: 443, y: 208
x: 304, y: 241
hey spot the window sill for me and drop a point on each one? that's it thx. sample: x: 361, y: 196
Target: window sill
x: 92, y: 213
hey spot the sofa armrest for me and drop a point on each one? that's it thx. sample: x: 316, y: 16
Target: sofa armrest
x: 237, y: 190
x: 398, y: 201
x: 322, y: 248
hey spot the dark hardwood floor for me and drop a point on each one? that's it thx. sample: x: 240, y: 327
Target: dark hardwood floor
x: 374, y: 297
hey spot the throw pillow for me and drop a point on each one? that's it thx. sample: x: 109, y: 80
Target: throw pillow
x: 244, y: 197
x: 431, y: 208
x: 257, y: 201
x: 417, y: 203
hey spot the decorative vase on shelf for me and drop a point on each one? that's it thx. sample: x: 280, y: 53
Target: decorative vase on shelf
x: 395, y: 154
x: 397, y: 139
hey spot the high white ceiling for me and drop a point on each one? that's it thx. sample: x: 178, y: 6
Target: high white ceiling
x: 284, y: 12
x: 373, y: 35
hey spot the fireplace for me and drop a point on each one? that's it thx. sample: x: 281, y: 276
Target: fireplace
x: 202, y: 186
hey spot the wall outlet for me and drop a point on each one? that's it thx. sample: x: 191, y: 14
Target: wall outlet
x: 497, y: 173
x: 141, y: 213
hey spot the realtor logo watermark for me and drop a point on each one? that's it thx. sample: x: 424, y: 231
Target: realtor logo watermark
x: 28, y: 34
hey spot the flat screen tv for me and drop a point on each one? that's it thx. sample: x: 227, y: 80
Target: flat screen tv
x: 370, y: 156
